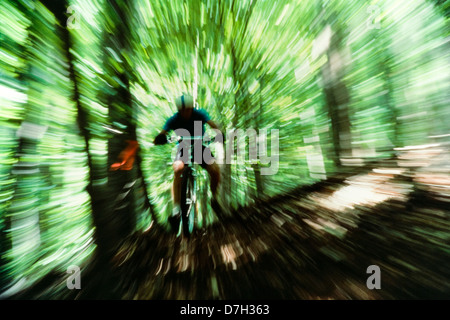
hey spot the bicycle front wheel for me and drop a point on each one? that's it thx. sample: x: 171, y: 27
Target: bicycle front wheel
x: 187, y: 202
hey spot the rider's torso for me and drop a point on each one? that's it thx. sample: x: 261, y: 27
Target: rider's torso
x: 194, y: 126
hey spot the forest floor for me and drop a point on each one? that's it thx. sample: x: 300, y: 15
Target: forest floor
x: 313, y: 243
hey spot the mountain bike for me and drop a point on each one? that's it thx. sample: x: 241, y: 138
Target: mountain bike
x: 189, y: 187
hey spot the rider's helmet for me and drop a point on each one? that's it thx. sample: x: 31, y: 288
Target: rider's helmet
x: 184, y: 102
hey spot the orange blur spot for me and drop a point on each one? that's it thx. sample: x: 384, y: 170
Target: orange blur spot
x: 126, y: 157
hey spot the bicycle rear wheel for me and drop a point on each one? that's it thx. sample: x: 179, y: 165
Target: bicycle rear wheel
x: 187, y: 202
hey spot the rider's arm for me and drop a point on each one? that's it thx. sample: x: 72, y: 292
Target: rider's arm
x: 213, y: 125
x: 161, y: 138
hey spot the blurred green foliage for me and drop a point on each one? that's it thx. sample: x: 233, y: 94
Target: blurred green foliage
x: 250, y: 64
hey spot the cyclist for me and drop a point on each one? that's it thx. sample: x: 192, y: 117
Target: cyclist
x: 187, y: 118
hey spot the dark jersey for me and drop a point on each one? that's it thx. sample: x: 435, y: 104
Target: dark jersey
x: 198, y: 118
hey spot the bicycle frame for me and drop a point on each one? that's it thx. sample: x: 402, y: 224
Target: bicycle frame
x: 188, y: 196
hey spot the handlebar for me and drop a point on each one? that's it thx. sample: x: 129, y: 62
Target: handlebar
x: 187, y: 138
x: 173, y: 139
x: 180, y: 138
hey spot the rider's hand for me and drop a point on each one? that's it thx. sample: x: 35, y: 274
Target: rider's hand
x: 160, y: 139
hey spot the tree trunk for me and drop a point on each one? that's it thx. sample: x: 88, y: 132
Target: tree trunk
x: 105, y: 230
x: 337, y: 100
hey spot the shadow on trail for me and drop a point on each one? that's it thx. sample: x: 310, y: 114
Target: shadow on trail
x: 315, y: 242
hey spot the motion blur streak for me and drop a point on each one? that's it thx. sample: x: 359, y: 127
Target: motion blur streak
x: 357, y: 90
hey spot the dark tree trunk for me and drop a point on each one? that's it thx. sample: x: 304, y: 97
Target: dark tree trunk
x: 337, y: 101
x: 105, y: 230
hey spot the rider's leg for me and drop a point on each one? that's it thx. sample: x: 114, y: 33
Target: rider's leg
x: 174, y: 219
x: 178, y: 167
x: 212, y: 168
x: 214, y: 174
